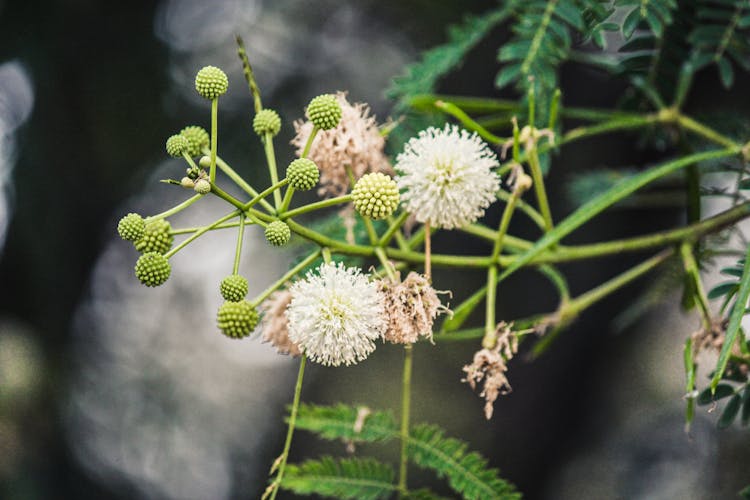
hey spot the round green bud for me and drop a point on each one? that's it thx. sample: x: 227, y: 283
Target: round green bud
x: 324, y: 111
x: 131, y: 227
x: 211, y: 82
x: 278, y: 233
x: 303, y: 174
x: 152, y: 269
x: 177, y: 145
x: 156, y: 237
x: 204, y: 162
x: 233, y: 288
x: 267, y: 121
x: 375, y: 195
x: 187, y: 183
x: 197, y: 138
x: 202, y: 186
x: 237, y: 319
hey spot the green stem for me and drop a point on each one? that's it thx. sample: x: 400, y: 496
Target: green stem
x: 316, y: 206
x: 287, y: 199
x: 260, y: 197
x: 569, y: 311
x: 238, y: 249
x: 405, y: 410
x: 586, y: 300
x: 230, y: 172
x: 216, y: 190
x: 504, y: 223
x: 468, y: 122
x: 541, y: 192
x: 189, y: 160
x: 490, y: 339
x: 271, y: 160
x: 524, y: 207
x: 702, y: 130
x: 292, y: 423
x: 309, y: 142
x: 214, y: 138
x: 393, y: 229
x: 176, y: 209
x: 289, y: 275
x: 371, y: 233
x: 249, y: 76
x: 386, y: 264
x: 199, y: 233
x: 694, y: 275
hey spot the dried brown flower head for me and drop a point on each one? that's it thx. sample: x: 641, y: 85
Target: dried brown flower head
x: 355, y: 143
x: 710, y: 339
x: 490, y: 365
x: 412, y: 306
x: 274, y: 326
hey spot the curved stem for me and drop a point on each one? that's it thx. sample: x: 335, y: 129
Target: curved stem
x: 287, y: 276
x: 199, y: 233
x: 214, y: 138
x: 309, y: 142
x: 405, y: 411
x: 539, y: 189
x: 316, y: 206
x: 175, y: 209
x: 238, y: 248
x: 393, y: 228
x: 290, y: 430
x: 271, y: 160
x: 230, y: 172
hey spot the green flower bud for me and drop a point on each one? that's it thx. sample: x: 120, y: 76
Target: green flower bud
x: 156, y: 237
x: 233, y: 288
x: 237, y: 319
x: 375, y: 195
x: 267, y: 121
x: 324, y: 111
x: 303, y: 174
x: 278, y: 233
x: 211, y: 82
x: 204, y: 162
x: 152, y: 269
x: 131, y: 227
x: 187, y: 183
x: 176, y: 145
x: 202, y: 186
x: 197, y: 137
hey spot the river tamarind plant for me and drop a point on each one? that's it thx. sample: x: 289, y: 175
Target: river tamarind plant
x: 472, y: 152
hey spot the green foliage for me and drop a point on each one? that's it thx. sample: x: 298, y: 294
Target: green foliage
x: 338, y: 422
x: 421, y: 77
x: 352, y: 478
x: 720, y: 37
x: 657, y: 14
x: 467, y: 472
x: 542, y: 39
x: 737, y: 311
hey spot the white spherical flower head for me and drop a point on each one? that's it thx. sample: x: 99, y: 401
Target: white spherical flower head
x: 446, y: 177
x: 336, y: 315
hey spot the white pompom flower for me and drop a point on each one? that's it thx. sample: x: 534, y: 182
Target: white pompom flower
x: 336, y: 315
x: 446, y: 177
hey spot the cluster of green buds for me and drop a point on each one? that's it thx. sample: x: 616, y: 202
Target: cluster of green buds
x: 375, y: 196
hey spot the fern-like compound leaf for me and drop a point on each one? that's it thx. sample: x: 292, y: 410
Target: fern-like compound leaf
x: 348, y: 423
x: 466, y: 472
x: 353, y: 478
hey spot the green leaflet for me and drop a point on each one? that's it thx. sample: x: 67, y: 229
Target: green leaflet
x: 348, y: 478
x: 422, y: 76
x: 735, y: 322
x: 467, y: 472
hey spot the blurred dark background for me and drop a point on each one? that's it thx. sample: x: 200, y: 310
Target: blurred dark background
x: 109, y: 390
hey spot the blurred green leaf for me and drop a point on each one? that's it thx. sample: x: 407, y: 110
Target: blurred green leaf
x: 462, y: 312
x: 730, y: 412
x: 722, y: 391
